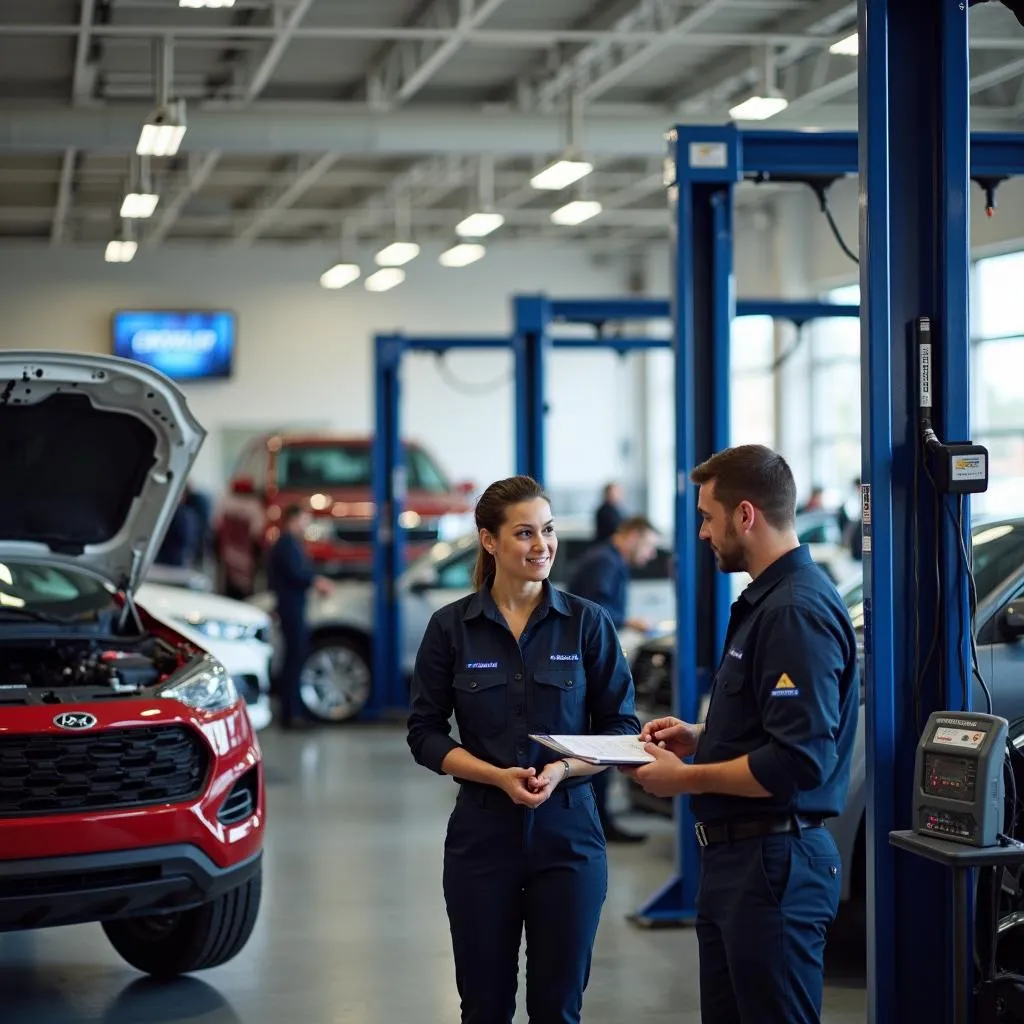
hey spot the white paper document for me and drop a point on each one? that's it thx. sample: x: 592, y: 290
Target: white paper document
x: 598, y: 749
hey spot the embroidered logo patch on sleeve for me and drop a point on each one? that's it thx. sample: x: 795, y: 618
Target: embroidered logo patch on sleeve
x: 785, y: 687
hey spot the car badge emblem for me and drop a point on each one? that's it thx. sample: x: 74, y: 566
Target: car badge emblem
x: 75, y: 720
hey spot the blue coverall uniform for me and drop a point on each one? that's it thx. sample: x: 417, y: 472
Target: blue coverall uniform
x: 507, y: 866
x: 786, y: 694
x: 290, y: 574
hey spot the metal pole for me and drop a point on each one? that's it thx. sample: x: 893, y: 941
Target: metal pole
x: 531, y: 340
x: 388, y: 466
x: 914, y: 261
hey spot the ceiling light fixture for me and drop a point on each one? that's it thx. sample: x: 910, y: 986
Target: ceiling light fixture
x: 462, y: 255
x: 385, y: 279
x: 139, y: 204
x: 340, y: 275
x: 758, y: 108
x: 161, y: 135
x: 561, y: 174
x: 477, y: 225
x: 206, y: 3
x: 576, y: 212
x: 849, y: 46
x: 397, y: 254
x: 119, y: 251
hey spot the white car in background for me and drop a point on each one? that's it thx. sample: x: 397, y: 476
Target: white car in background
x: 338, y: 674
x: 237, y: 634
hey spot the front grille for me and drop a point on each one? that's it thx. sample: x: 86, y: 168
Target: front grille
x: 353, y: 533
x: 114, y: 768
x: 82, y: 881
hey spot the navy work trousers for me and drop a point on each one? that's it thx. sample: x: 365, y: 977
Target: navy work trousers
x: 506, y: 868
x: 295, y: 639
x: 763, y: 909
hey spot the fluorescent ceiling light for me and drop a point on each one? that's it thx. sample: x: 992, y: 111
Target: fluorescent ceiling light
x: 848, y: 47
x: 206, y: 3
x: 120, y: 252
x: 161, y: 135
x: 561, y: 174
x: 397, y: 254
x: 462, y: 255
x: 340, y: 275
x: 759, y: 108
x: 388, y: 277
x: 476, y: 225
x: 576, y: 212
x: 139, y: 204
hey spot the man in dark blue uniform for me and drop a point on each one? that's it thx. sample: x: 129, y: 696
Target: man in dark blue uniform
x: 608, y: 516
x: 290, y: 574
x: 602, y: 576
x: 772, y: 759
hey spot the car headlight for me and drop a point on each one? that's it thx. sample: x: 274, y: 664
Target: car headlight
x: 223, y: 629
x: 205, y: 687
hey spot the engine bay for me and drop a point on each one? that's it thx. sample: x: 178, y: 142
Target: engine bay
x: 61, y: 670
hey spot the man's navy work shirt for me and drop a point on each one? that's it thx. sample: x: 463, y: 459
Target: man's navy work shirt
x: 602, y: 576
x: 786, y: 694
x: 566, y: 675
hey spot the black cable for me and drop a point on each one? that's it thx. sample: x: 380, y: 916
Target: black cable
x: 916, y: 556
x: 468, y: 387
x: 820, y: 189
x: 937, y: 609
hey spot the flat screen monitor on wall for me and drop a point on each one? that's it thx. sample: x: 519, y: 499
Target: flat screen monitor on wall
x: 183, y: 344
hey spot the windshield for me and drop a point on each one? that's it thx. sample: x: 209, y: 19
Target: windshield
x: 998, y: 553
x: 48, y: 590
x: 325, y: 467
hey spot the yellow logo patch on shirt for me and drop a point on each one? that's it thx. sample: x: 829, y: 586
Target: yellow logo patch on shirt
x: 785, y: 687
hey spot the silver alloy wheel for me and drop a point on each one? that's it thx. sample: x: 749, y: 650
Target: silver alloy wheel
x: 336, y: 681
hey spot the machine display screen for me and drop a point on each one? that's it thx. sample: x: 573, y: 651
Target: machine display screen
x: 950, y: 776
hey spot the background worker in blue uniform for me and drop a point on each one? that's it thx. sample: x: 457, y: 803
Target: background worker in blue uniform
x: 602, y: 576
x: 524, y: 847
x: 609, y: 513
x: 772, y: 759
x: 290, y: 574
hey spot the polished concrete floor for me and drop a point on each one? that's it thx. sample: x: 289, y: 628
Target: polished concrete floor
x: 352, y: 928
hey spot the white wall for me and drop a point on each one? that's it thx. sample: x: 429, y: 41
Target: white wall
x: 304, y: 354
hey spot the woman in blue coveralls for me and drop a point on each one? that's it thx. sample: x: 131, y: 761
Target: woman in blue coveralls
x: 524, y: 846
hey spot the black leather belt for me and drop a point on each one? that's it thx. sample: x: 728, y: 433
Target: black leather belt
x: 750, y: 828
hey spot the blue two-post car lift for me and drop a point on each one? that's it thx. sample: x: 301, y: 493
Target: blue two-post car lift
x: 916, y: 159
x: 536, y: 320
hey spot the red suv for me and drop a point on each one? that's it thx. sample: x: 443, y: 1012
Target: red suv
x: 131, y: 782
x: 331, y: 476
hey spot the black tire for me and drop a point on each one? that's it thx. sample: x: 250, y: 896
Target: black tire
x: 337, y: 677
x: 166, y: 945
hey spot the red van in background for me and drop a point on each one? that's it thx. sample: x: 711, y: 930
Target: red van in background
x: 330, y: 475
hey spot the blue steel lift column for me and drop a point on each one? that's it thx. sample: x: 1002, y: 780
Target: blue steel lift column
x: 704, y: 163
x: 915, y: 157
x: 389, y: 693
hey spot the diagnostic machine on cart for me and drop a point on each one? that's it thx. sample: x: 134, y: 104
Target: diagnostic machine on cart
x: 959, y: 793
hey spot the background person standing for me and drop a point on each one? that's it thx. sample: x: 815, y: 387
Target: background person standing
x: 290, y: 574
x: 602, y: 576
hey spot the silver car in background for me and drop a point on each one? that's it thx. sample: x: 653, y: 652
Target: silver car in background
x: 338, y: 675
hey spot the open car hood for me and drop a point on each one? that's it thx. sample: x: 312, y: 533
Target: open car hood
x: 95, y: 452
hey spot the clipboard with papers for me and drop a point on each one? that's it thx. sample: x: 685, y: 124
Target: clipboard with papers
x: 602, y: 750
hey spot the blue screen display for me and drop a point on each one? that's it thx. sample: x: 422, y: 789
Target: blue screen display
x: 182, y: 345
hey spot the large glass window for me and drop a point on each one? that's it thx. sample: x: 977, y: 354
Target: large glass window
x: 997, y: 414
x: 835, y: 401
x: 752, y: 390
